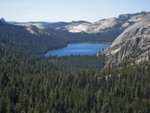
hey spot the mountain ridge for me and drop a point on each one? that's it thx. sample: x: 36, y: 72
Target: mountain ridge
x: 122, y: 21
x: 105, y: 30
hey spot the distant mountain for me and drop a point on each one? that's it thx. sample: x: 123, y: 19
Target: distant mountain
x: 50, y: 24
x: 40, y: 29
x: 60, y: 33
x: 121, y: 23
x: 133, y: 45
x: 37, y: 28
x: 17, y: 23
x: 105, y: 25
x: 30, y: 38
x: 2, y: 20
x: 105, y: 30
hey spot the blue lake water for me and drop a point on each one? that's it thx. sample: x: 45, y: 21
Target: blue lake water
x: 81, y: 49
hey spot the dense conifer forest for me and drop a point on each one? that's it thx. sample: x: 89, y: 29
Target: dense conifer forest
x: 34, y: 84
x: 18, y: 37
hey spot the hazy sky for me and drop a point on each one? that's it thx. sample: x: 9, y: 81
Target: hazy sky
x: 68, y: 10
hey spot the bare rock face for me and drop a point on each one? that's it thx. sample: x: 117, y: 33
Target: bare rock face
x: 95, y: 27
x: 132, y: 45
x: 120, y: 23
x: 37, y: 28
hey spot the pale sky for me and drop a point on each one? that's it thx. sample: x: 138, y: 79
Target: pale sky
x: 68, y: 10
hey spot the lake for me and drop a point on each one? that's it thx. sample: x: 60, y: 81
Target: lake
x: 81, y: 49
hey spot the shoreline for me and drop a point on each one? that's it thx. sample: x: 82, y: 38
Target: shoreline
x: 50, y: 50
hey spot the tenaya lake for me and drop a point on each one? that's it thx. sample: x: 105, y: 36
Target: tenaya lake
x: 81, y: 49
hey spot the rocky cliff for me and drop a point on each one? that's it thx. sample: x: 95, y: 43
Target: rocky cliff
x: 133, y: 45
